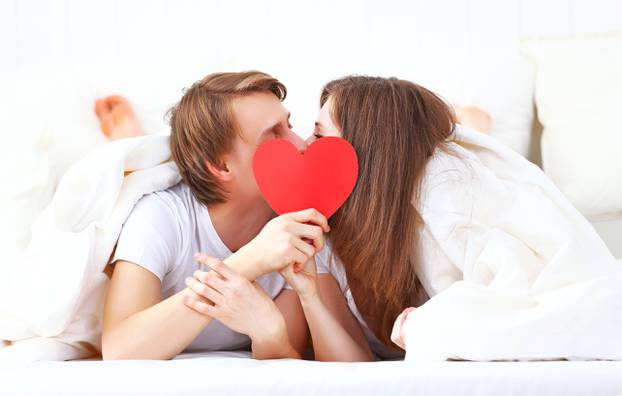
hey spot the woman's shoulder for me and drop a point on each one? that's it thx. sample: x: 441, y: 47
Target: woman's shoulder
x: 450, y: 183
x: 327, y: 262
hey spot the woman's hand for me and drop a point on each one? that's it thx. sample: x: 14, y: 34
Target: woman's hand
x: 302, y: 278
x: 397, y: 334
x: 236, y: 302
x: 287, y: 239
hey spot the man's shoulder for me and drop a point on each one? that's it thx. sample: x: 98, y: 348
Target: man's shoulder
x: 172, y: 204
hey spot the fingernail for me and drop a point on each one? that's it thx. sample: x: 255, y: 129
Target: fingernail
x: 188, y: 280
x: 197, y: 256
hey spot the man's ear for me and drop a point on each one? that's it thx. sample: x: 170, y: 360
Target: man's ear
x: 221, y: 171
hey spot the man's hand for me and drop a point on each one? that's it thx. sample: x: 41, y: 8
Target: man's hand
x: 236, y: 302
x: 288, y: 239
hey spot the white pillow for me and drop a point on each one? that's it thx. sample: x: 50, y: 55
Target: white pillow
x: 578, y: 94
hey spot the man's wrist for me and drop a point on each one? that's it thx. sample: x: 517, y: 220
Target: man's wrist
x: 275, y: 336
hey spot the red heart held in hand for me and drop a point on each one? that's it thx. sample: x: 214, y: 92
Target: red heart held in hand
x: 322, y: 177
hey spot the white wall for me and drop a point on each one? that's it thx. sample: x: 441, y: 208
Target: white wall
x: 57, y: 56
x: 452, y: 46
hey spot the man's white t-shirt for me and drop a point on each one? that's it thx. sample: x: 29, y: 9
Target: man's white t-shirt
x: 162, y: 233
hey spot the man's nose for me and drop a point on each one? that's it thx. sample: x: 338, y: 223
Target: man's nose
x: 297, y: 141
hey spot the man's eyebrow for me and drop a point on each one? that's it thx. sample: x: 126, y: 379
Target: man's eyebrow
x: 276, y: 124
x: 270, y: 128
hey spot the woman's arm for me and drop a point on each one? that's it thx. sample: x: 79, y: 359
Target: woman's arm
x: 336, y: 334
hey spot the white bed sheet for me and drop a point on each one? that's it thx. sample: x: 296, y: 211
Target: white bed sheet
x: 233, y: 373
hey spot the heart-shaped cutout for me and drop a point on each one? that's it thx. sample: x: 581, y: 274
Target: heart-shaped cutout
x: 322, y: 177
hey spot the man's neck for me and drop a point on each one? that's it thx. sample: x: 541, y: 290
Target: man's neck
x: 238, y: 222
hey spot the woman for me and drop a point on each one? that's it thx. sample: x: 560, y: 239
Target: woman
x: 438, y: 207
x: 396, y: 127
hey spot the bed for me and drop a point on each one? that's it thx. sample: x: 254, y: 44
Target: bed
x: 224, y: 373
x: 93, y: 61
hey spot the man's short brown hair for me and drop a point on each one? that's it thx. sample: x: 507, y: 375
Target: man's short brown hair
x: 203, y: 126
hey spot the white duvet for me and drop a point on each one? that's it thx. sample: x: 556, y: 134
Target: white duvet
x: 559, y: 295
x: 53, y: 307
x: 515, y: 271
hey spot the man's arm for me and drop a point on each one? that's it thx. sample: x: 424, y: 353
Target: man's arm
x: 138, y: 324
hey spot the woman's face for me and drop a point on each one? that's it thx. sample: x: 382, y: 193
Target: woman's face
x: 324, y: 125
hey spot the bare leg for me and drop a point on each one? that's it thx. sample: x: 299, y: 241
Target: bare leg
x: 473, y: 117
x: 117, y: 118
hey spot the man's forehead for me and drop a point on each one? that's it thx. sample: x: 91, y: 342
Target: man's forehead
x: 259, y: 107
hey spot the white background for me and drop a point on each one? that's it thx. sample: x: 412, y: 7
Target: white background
x: 451, y: 46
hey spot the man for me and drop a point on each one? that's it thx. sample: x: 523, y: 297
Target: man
x: 217, y: 209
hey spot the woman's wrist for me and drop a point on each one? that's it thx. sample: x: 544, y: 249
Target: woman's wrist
x: 309, y: 299
x: 245, y: 263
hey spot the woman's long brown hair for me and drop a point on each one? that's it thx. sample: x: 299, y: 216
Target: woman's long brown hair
x: 395, y: 127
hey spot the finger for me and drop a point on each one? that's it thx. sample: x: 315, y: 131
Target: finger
x: 202, y: 258
x: 304, y: 247
x: 311, y: 216
x: 200, y: 307
x: 216, y: 265
x: 314, y: 234
x: 212, y: 279
x: 307, y: 230
x: 318, y: 243
x: 221, y: 268
x: 203, y: 290
x: 299, y: 257
x: 396, y: 333
x: 309, y: 268
x: 287, y: 272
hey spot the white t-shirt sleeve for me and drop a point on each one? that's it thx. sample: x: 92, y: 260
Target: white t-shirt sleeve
x: 322, y: 260
x: 150, y: 237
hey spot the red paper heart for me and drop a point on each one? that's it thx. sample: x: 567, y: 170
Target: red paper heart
x: 321, y: 178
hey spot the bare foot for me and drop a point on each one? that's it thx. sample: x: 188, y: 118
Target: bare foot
x: 117, y: 118
x: 473, y: 117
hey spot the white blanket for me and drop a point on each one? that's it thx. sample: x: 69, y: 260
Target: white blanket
x: 515, y: 271
x: 52, y: 308
x: 567, y: 303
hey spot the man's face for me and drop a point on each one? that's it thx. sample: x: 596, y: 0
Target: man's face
x: 260, y: 117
